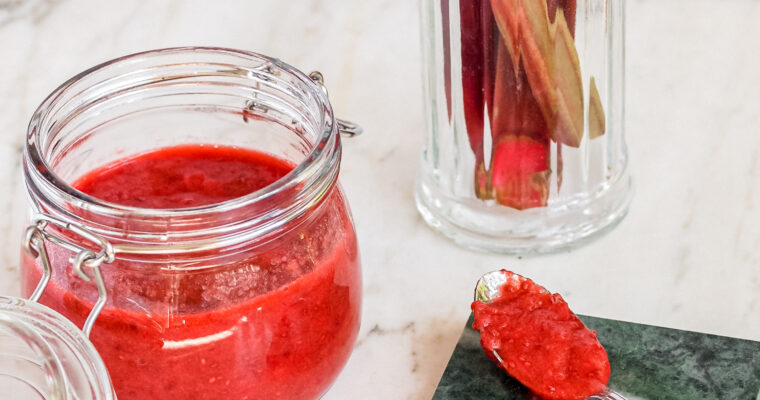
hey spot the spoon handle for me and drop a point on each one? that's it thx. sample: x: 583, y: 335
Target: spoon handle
x: 608, y: 395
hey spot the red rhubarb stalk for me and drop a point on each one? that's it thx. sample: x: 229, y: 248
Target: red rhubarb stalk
x: 520, y: 159
x: 521, y: 131
x: 568, y: 8
x: 446, y: 24
x: 491, y: 38
x: 547, y: 52
x: 477, y: 50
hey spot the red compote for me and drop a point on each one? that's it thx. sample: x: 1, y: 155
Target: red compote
x: 541, y: 342
x: 273, y: 320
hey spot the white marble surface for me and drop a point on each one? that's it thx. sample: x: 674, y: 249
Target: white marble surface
x: 687, y: 256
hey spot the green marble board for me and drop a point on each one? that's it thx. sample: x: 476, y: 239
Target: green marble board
x: 648, y: 362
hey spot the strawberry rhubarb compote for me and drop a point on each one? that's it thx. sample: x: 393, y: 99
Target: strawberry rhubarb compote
x: 275, y: 319
x: 532, y: 335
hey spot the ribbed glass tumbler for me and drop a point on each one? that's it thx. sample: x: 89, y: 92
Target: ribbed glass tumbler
x: 525, y: 148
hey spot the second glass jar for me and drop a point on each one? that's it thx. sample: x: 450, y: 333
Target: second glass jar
x: 525, y: 150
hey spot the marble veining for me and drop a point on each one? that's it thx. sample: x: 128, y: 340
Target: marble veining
x: 686, y: 256
x: 33, y: 11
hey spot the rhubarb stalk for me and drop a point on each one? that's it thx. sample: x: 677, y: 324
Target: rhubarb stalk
x: 477, y: 53
x: 521, y: 125
x: 520, y: 69
x: 520, y: 160
x: 547, y: 52
x: 446, y: 24
x: 597, y: 123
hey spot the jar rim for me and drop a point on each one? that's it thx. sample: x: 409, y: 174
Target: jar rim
x: 320, y: 163
x: 43, y: 167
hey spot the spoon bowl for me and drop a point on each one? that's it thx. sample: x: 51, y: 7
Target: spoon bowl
x: 488, y: 289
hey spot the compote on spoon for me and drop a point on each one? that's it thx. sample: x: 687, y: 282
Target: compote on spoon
x: 534, y: 336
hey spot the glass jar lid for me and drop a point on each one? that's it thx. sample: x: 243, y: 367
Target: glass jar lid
x: 45, y: 356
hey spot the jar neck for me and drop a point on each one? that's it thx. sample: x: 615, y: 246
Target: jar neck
x: 46, y: 356
x: 255, y: 95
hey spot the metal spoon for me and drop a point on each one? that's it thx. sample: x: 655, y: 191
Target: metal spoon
x: 487, y: 290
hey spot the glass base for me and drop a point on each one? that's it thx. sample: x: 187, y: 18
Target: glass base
x: 486, y: 226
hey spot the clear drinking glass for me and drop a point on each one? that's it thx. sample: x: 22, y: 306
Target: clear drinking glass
x: 525, y: 148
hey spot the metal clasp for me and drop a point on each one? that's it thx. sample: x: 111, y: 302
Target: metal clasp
x: 346, y: 128
x: 34, y: 244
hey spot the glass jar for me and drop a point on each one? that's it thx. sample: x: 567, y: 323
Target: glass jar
x: 257, y: 297
x: 525, y: 149
x: 46, y: 357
